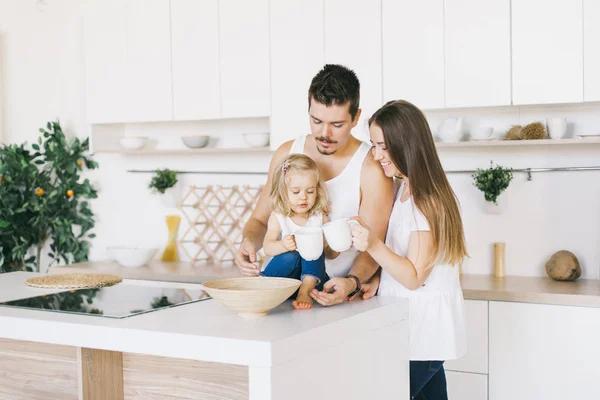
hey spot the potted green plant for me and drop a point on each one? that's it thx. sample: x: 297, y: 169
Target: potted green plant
x: 44, y: 201
x: 164, y: 182
x: 493, y: 182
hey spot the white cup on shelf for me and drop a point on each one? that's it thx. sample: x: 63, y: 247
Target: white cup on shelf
x: 557, y: 127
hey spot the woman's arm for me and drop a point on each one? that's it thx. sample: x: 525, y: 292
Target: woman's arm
x: 330, y: 254
x: 411, y: 271
x: 271, y: 244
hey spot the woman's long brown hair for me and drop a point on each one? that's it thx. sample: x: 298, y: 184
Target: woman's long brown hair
x: 411, y: 148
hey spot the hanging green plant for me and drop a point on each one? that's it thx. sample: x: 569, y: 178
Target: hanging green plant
x: 492, y: 181
x: 42, y: 199
x: 162, y: 180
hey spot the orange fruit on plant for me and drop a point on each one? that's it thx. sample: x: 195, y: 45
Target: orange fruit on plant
x: 70, y: 193
x: 79, y: 162
x: 39, y: 191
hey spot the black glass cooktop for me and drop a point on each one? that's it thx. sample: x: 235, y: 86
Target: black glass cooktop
x: 119, y: 301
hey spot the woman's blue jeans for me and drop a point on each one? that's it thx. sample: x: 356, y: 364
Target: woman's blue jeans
x: 428, y: 380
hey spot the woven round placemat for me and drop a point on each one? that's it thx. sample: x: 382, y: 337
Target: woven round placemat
x: 74, y: 281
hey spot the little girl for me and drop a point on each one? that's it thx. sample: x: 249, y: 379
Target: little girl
x: 299, y: 200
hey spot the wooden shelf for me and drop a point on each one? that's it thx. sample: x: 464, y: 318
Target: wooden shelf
x: 504, y: 143
x: 204, y: 150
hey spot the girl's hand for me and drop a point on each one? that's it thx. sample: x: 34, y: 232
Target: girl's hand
x: 362, y: 238
x: 289, y: 242
x: 369, y: 289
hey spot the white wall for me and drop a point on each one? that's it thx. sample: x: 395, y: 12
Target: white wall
x: 43, y: 79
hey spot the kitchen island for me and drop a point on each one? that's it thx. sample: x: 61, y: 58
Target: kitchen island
x: 202, y: 350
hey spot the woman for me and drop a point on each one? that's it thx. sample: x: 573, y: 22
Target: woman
x: 424, y: 245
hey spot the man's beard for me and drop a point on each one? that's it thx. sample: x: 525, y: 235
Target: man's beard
x: 325, y: 152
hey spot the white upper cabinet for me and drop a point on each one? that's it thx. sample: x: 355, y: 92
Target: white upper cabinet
x: 591, y: 50
x: 477, y: 48
x: 244, y: 58
x: 149, y: 60
x: 105, y: 59
x: 353, y: 38
x: 547, y: 51
x: 127, y: 61
x: 195, y: 59
x: 413, y: 52
x: 296, y: 56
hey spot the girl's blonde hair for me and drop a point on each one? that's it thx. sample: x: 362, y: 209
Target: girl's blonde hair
x: 279, y: 198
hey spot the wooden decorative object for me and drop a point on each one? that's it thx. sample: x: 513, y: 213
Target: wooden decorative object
x: 216, y: 216
x: 499, y: 260
x: 563, y: 266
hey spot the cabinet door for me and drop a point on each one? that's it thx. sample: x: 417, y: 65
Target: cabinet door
x: 591, y: 50
x: 477, y: 48
x: 547, y: 51
x: 296, y: 56
x: 353, y: 38
x: 476, y: 358
x: 195, y: 59
x: 465, y: 386
x: 149, y: 61
x: 413, y: 52
x: 105, y: 60
x: 543, y: 352
x: 244, y: 54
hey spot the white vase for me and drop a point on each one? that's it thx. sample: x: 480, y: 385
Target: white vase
x: 171, y: 197
x: 499, y: 206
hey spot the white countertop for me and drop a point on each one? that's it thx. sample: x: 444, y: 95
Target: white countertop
x: 204, y: 330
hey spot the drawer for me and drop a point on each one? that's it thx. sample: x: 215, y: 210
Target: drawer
x: 465, y: 386
x: 476, y: 358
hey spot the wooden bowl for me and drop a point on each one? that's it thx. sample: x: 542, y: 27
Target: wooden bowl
x: 252, y: 296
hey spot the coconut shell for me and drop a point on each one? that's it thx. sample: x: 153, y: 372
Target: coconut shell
x: 533, y: 131
x: 514, y: 133
x: 563, y: 266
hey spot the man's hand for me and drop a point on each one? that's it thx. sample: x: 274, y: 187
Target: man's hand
x: 245, y: 259
x: 335, y: 291
x: 289, y: 242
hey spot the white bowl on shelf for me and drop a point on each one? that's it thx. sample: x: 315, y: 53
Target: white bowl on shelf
x: 195, y: 142
x: 132, y: 257
x: 133, y: 142
x: 257, y: 139
x: 482, y: 133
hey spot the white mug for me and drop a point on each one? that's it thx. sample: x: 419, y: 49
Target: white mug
x: 339, y: 234
x: 557, y: 127
x: 309, y: 243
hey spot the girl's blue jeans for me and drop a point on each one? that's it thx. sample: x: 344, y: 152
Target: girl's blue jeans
x: 292, y: 265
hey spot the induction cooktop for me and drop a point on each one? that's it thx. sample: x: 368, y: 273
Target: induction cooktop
x: 119, y: 301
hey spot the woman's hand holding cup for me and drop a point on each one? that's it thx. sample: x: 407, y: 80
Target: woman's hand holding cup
x: 362, y: 238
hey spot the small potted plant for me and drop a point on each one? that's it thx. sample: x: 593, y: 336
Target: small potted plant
x: 493, y: 181
x: 164, y: 182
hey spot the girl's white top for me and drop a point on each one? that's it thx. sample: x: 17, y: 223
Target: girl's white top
x: 436, y: 309
x: 288, y: 226
x: 344, y: 196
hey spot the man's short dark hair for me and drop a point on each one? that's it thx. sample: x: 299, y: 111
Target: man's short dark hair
x: 335, y: 85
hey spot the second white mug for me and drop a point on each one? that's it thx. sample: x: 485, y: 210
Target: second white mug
x: 339, y: 234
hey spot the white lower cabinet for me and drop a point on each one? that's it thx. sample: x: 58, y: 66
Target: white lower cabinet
x: 543, y: 352
x: 465, y: 386
x: 476, y: 358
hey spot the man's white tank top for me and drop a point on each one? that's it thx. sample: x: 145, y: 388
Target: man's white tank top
x: 344, y: 195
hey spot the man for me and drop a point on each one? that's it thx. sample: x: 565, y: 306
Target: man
x: 354, y: 180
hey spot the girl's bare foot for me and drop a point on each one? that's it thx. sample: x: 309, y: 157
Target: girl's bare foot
x: 303, y: 301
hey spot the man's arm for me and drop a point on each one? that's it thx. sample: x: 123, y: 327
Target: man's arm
x: 256, y: 227
x: 377, y: 200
